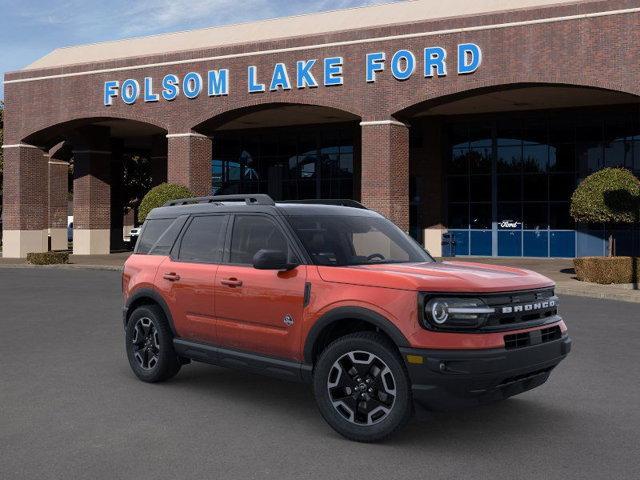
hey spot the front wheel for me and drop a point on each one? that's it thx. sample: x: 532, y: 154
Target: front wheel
x: 149, y: 345
x: 362, y: 388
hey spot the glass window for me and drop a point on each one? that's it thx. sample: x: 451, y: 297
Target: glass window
x: 168, y: 238
x: 535, y: 158
x: 510, y: 216
x: 459, y: 161
x: 509, y: 187
x: 535, y: 188
x: 151, y: 232
x: 481, y: 188
x: 203, y: 240
x: 509, y: 159
x: 480, y: 216
x: 480, y: 159
x: 458, y: 189
x: 561, y: 187
x: 562, y: 158
x: 458, y: 216
x: 618, y: 154
x: 559, y: 217
x: 339, y: 240
x: 535, y: 216
x: 252, y: 233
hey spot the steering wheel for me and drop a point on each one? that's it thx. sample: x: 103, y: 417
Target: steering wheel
x: 376, y: 255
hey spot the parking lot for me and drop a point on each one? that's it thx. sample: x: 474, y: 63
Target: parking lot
x: 71, y: 408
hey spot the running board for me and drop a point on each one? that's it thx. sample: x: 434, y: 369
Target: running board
x: 251, y: 362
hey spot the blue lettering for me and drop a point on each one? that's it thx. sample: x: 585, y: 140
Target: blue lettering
x: 280, y: 78
x: 192, y: 85
x: 149, y: 96
x: 170, y: 87
x: 304, y: 77
x: 254, y: 87
x: 218, y: 82
x: 434, y: 58
x: 403, y: 64
x: 333, y: 71
x: 130, y: 91
x: 469, y: 58
x: 375, y: 63
x: 110, y: 92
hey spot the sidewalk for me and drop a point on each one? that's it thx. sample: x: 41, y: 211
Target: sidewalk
x: 559, y: 270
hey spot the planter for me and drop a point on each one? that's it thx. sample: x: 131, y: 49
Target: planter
x: 48, y: 258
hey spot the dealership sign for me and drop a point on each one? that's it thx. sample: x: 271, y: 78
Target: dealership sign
x: 308, y: 73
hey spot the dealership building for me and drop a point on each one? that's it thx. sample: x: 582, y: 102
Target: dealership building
x: 476, y: 118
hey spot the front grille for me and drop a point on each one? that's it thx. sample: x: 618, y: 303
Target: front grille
x: 516, y: 308
x: 535, y: 337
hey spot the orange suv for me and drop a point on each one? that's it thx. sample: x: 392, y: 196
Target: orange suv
x: 330, y: 293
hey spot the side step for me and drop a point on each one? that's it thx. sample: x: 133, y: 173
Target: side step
x: 251, y: 362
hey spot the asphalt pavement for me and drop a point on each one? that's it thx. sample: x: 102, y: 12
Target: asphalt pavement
x: 70, y: 407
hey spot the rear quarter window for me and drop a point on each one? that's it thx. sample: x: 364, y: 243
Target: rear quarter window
x: 152, y: 230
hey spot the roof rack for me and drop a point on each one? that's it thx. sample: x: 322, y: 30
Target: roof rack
x: 344, y: 202
x: 257, y: 199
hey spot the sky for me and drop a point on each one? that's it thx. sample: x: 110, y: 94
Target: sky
x: 29, y: 29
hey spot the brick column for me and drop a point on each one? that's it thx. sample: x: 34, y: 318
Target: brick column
x: 189, y: 161
x: 25, y: 215
x: 58, y: 191
x: 158, y: 160
x: 385, y: 169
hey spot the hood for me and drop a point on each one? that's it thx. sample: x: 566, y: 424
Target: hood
x: 438, y: 277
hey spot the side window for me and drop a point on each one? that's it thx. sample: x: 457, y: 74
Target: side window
x: 168, y: 238
x: 203, y: 241
x: 252, y: 233
x: 151, y: 232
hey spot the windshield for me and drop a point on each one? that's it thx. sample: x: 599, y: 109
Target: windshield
x: 340, y: 240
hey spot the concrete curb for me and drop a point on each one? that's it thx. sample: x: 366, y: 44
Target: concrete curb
x: 632, y: 296
x: 68, y: 266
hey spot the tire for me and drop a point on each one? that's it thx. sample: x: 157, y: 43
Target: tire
x: 149, y: 345
x: 368, y: 414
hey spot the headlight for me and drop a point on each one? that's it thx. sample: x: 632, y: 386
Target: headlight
x: 456, y: 312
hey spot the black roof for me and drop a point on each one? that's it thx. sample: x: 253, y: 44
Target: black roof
x: 259, y: 203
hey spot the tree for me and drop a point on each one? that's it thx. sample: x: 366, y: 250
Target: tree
x: 160, y: 195
x: 611, y: 195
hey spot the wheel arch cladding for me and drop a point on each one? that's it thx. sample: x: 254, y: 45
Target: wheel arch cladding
x: 147, y: 296
x: 346, y: 317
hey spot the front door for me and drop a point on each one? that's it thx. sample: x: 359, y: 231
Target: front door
x: 259, y: 310
x: 187, y: 279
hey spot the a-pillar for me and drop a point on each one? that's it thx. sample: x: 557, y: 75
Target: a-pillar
x: 189, y: 161
x: 58, y: 192
x: 92, y: 192
x: 385, y: 169
x: 158, y: 160
x: 25, y: 212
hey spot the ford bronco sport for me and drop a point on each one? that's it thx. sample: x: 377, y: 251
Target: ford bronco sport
x: 330, y: 293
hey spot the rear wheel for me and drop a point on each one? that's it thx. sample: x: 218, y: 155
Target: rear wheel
x: 362, y: 388
x: 149, y: 345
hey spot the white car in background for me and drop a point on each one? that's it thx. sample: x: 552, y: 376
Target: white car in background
x: 134, y: 233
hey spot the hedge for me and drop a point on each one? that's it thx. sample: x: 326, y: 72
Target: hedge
x: 158, y: 196
x: 607, y: 270
x: 48, y: 258
x: 611, y: 195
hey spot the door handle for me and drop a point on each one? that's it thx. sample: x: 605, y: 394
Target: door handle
x: 172, y: 276
x: 231, y: 282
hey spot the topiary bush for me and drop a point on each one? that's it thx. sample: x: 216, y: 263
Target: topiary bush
x: 607, y: 270
x: 48, y: 258
x: 611, y: 195
x: 158, y: 196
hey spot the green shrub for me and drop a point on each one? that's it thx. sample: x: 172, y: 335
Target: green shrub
x: 48, y: 258
x: 606, y: 270
x: 158, y: 196
x: 611, y: 195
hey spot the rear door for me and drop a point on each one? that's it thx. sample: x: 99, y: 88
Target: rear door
x: 259, y: 310
x: 187, y: 278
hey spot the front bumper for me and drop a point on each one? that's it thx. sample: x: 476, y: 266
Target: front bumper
x: 449, y: 379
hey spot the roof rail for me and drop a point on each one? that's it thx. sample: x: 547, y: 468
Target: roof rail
x: 344, y: 202
x: 257, y: 199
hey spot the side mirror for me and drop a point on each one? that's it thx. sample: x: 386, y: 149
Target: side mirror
x: 272, y: 260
